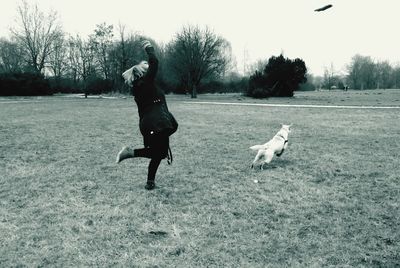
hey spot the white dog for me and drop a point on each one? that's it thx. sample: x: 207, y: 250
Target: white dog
x: 276, y: 145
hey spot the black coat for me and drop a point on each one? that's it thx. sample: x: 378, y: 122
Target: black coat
x: 153, y: 111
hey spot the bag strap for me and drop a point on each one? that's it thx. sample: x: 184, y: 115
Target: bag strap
x: 169, y: 156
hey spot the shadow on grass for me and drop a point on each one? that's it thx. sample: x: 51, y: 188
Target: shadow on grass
x: 276, y: 163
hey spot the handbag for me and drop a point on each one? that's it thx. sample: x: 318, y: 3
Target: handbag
x: 158, y: 119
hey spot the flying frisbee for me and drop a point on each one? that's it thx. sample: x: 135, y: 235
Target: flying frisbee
x: 323, y: 8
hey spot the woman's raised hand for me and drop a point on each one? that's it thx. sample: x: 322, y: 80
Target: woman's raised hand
x: 146, y: 44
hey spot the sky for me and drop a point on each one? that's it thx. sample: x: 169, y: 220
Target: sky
x: 256, y: 29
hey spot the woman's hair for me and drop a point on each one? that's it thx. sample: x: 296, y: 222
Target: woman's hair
x: 135, y: 72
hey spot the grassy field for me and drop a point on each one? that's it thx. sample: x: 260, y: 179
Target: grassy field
x: 332, y: 199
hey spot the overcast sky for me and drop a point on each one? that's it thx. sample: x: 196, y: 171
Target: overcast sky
x: 256, y: 29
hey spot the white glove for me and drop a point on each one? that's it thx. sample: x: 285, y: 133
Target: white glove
x: 146, y: 44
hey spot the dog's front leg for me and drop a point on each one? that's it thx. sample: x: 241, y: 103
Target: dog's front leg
x: 253, y: 164
x: 256, y: 159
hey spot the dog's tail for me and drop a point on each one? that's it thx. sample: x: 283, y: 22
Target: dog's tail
x: 257, y: 147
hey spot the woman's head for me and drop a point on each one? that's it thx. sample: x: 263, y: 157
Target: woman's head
x: 136, y: 72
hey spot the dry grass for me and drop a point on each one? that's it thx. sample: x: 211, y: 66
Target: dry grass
x: 332, y: 199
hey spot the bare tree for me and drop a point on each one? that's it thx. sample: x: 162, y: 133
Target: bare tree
x: 125, y: 52
x: 118, y: 56
x: 73, y: 58
x: 396, y: 76
x: 259, y: 65
x: 318, y: 81
x: 81, y: 57
x: 196, y: 54
x: 329, y: 74
x: 361, y: 72
x: 10, y: 56
x: 383, y: 74
x: 122, y: 48
x: 36, y: 31
x: 57, y: 62
x: 102, y: 41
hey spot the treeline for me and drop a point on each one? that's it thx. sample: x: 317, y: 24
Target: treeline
x: 196, y: 60
x: 363, y: 72
x: 40, y: 58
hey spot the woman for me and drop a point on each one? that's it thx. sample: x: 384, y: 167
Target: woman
x: 156, y: 122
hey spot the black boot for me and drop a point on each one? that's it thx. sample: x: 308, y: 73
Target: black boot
x: 151, y: 175
x: 150, y: 185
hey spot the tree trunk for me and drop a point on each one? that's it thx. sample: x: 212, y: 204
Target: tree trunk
x: 194, y: 92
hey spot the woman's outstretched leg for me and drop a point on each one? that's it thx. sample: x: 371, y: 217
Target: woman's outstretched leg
x: 127, y: 152
x: 156, y: 149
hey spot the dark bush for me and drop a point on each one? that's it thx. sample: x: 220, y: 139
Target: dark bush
x: 280, y: 77
x: 223, y: 86
x: 98, y: 85
x: 24, y: 84
x: 256, y: 83
x: 166, y: 87
x: 64, y: 85
x: 238, y: 85
x: 261, y: 93
x: 213, y: 86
